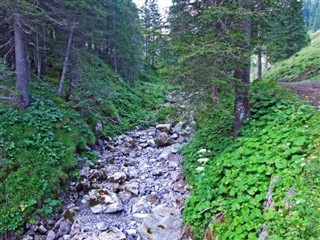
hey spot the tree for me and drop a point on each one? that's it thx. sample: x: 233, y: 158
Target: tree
x: 18, y: 18
x: 152, y: 30
x: 214, y: 40
x: 286, y: 33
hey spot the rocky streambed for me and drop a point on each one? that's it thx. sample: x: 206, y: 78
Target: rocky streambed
x: 134, y: 191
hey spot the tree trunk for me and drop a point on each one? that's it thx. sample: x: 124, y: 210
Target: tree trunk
x: 242, y: 76
x: 266, y: 60
x: 37, y: 57
x: 44, y: 60
x: 115, y: 51
x: 65, y: 63
x: 259, y: 63
x: 22, y: 100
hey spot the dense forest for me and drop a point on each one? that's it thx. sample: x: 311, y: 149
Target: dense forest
x: 74, y: 75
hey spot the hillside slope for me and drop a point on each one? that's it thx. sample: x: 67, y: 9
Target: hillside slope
x: 303, y: 66
x: 266, y: 182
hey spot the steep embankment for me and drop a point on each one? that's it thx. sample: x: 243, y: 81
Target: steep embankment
x: 265, y: 183
x: 38, y: 145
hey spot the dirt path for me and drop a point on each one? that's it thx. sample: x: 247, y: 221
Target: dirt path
x: 307, y: 90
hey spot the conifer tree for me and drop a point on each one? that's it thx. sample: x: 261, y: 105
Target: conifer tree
x: 152, y: 30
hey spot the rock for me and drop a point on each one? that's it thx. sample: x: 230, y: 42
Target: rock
x: 140, y: 216
x: 104, y: 201
x: 175, y: 175
x: 162, y: 223
x: 163, y: 140
x: 99, y: 126
x: 141, y: 206
x: 51, y: 235
x: 151, y: 143
x: 164, y: 154
x: 144, y: 145
x: 84, y: 172
x: 112, y: 234
x: 42, y: 230
x: 38, y: 237
x: 65, y: 227
x: 118, y: 177
x: 164, y: 127
x: 85, y: 185
x: 102, y: 226
x: 132, y: 188
x: 175, y: 136
x: 100, y: 144
x: 69, y: 215
x: 179, y: 126
x: 157, y: 172
x: 152, y: 198
x: 179, y: 186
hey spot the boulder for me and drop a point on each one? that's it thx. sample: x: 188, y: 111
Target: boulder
x: 163, y: 140
x: 162, y: 223
x: 104, y: 201
x: 118, y: 177
x: 164, y: 127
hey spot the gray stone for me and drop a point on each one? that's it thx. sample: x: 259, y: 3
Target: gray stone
x: 65, y: 227
x: 163, y: 140
x: 51, y: 235
x: 102, y: 226
x: 144, y: 145
x: 179, y: 186
x: 157, y: 172
x: 42, y: 230
x: 162, y: 223
x: 104, y: 201
x: 84, y: 172
x: 164, y: 127
x: 175, y: 136
x: 118, y: 177
x: 175, y: 175
x: 132, y: 188
x: 141, y: 206
x: 112, y: 234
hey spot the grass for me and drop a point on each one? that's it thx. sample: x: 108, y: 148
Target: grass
x: 303, y: 66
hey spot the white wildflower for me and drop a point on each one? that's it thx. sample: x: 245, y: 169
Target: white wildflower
x: 297, y: 202
x: 203, y: 160
x: 303, y: 164
x: 202, y: 151
x: 302, y: 159
x: 200, y: 169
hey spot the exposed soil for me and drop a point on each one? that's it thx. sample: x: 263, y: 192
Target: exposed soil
x: 307, y: 90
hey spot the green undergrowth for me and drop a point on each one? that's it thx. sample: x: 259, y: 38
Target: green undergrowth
x: 103, y: 98
x: 230, y: 177
x: 304, y: 65
x: 38, y: 145
x: 37, y: 152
